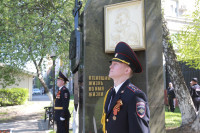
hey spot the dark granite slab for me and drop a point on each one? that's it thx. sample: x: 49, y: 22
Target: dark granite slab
x: 96, y: 65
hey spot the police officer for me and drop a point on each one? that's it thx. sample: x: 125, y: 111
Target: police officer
x: 171, y: 96
x: 126, y: 109
x: 62, y: 114
x: 195, y: 93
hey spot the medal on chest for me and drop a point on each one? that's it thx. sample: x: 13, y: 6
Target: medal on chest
x: 58, y: 95
x: 116, y: 109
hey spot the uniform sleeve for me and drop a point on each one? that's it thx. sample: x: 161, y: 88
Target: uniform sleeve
x: 192, y: 91
x: 138, y: 114
x: 167, y: 90
x: 65, y: 96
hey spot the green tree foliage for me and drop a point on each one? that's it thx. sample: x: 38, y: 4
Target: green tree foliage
x: 30, y: 29
x: 37, y: 83
x: 49, y: 78
x: 188, y: 41
x: 8, y: 75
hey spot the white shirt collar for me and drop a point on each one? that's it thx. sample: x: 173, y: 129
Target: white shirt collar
x: 60, y: 87
x: 118, y: 87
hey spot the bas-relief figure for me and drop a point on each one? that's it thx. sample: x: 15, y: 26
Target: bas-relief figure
x: 124, y: 22
x: 124, y: 29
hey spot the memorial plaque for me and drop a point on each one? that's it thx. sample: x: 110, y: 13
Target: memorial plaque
x: 121, y: 24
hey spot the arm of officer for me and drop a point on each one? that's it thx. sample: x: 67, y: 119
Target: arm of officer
x: 138, y: 114
x: 192, y: 91
x: 65, y: 102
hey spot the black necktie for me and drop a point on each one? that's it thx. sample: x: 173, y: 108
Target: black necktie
x: 113, y: 93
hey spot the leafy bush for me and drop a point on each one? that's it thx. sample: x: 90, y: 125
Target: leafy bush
x: 13, y: 96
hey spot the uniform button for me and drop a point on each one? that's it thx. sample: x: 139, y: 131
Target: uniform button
x: 107, y: 120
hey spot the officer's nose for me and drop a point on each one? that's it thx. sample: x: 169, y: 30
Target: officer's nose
x: 110, y: 66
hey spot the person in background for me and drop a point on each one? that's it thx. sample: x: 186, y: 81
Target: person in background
x: 195, y: 93
x: 171, y: 97
x: 125, y: 108
x: 62, y: 114
x: 42, y: 91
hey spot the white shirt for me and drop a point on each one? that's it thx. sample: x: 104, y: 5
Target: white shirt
x: 116, y: 90
x: 60, y: 87
x: 118, y: 87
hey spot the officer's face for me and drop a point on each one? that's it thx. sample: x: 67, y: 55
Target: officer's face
x: 193, y: 82
x: 118, y: 69
x: 60, y: 82
x: 170, y: 85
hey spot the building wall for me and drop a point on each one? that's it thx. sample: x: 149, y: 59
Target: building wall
x: 178, y: 8
x: 175, y: 13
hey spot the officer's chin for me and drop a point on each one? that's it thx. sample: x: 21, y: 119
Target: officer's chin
x: 110, y: 75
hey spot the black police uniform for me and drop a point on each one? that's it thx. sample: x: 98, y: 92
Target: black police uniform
x: 171, y: 96
x: 128, y: 111
x: 195, y: 90
x: 133, y: 116
x: 61, y: 107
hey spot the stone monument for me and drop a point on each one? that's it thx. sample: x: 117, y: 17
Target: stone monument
x: 102, y: 23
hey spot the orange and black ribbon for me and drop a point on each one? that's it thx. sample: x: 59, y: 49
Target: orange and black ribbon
x: 116, y: 109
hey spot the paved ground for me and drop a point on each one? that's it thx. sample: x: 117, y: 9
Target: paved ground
x: 28, y: 118
x: 28, y: 126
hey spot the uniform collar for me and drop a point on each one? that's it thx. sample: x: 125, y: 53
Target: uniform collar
x: 121, y: 90
x: 60, y: 88
x: 118, y: 87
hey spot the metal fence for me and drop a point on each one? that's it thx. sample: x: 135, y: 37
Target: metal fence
x: 188, y: 74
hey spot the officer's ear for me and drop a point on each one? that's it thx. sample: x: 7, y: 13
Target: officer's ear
x: 63, y: 82
x: 131, y: 74
x: 128, y: 70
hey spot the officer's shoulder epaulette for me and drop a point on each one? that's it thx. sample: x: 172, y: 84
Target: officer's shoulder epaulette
x: 133, y: 88
x: 64, y: 88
